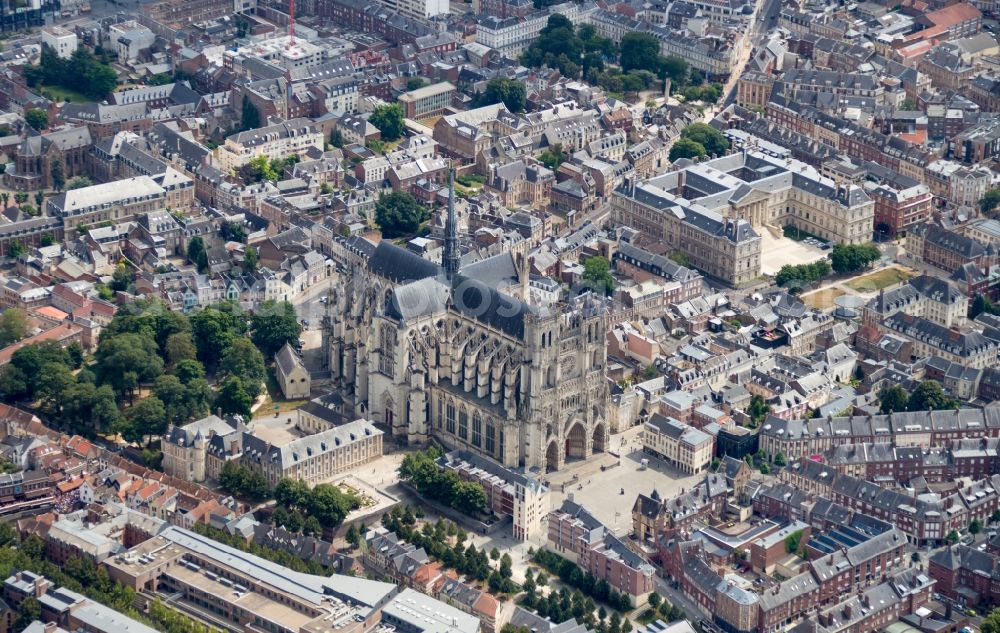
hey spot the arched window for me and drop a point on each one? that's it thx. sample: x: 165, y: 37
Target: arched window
x: 477, y: 430
x: 387, y: 351
x: 490, y: 437
x: 450, y: 418
x: 463, y: 424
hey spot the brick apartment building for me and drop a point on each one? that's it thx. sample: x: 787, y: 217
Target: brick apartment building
x: 580, y: 537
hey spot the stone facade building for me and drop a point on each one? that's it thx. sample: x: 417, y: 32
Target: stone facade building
x: 455, y: 353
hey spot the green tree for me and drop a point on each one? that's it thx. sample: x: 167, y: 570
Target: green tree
x: 273, y: 325
x: 686, y: 148
x: 173, y: 394
x: 851, y: 258
x: 597, y: 273
x: 188, y: 370
x: 146, y: 418
x: 243, y: 482
x: 27, y: 612
x: 337, y: 138
x: 952, y: 537
x: 780, y: 460
x: 21, y: 197
x: 714, y: 142
x: 251, y: 259
x: 214, y: 329
x: 233, y: 232
x: 792, y: 541
x: 58, y: 173
x: 125, y: 354
x: 557, y: 46
x: 510, y: 92
x: 79, y: 182
x: 233, y: 398
x: 893, y: 399
x: 243, y: 360
x: 975, y: 527
x: 179, y: 347
x: 415, y: 83
x: 16, y: 249
x: 989, y: 201
x: 195, y: 249
x: 104, y: 412
x: 399, y: 214
x: 13, y: 326
x: 640, y: 51
x: 758, y: 410
x: 352, y: 536
x: 929, y: 396
x: 675, y: 68
x: 553, y: 157
x: 37, y: 118
x: 250, y: 118
x: 388, y: 118
x: 991, y: 624
x: 980, y: 305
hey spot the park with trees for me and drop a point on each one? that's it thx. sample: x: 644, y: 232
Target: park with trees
x: 444, y: 486
x: 82, y: 74
x: 152, y: 367
x: 621, y: 69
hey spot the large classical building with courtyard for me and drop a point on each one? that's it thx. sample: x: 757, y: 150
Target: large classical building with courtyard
x: 713, y: 211
x: 456, y: 352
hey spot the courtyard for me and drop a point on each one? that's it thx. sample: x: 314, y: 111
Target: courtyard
x: 601, y: 493
x: 776, y: 251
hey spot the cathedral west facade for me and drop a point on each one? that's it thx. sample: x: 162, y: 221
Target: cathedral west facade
x: 456, y: 353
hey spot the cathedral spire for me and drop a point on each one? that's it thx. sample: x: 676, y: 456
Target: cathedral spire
x: 452, y: 254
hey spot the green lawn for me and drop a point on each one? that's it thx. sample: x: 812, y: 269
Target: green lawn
x: 58, y: 93
x: 878, y: 280
x: 277, y: 399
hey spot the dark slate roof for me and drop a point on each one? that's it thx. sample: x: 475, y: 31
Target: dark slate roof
x: 398, y: 264
x: 494, y: 270
x: 486, y: 304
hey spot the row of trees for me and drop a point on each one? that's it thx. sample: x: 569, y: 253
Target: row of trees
x: 561, y: 605
x: 571, y: 574
x: 281, y: 557
x: 445, y: 486
x: 82, y: 73
x: 928, y: 396
x: 436, y: 539
x: 802, y: 274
